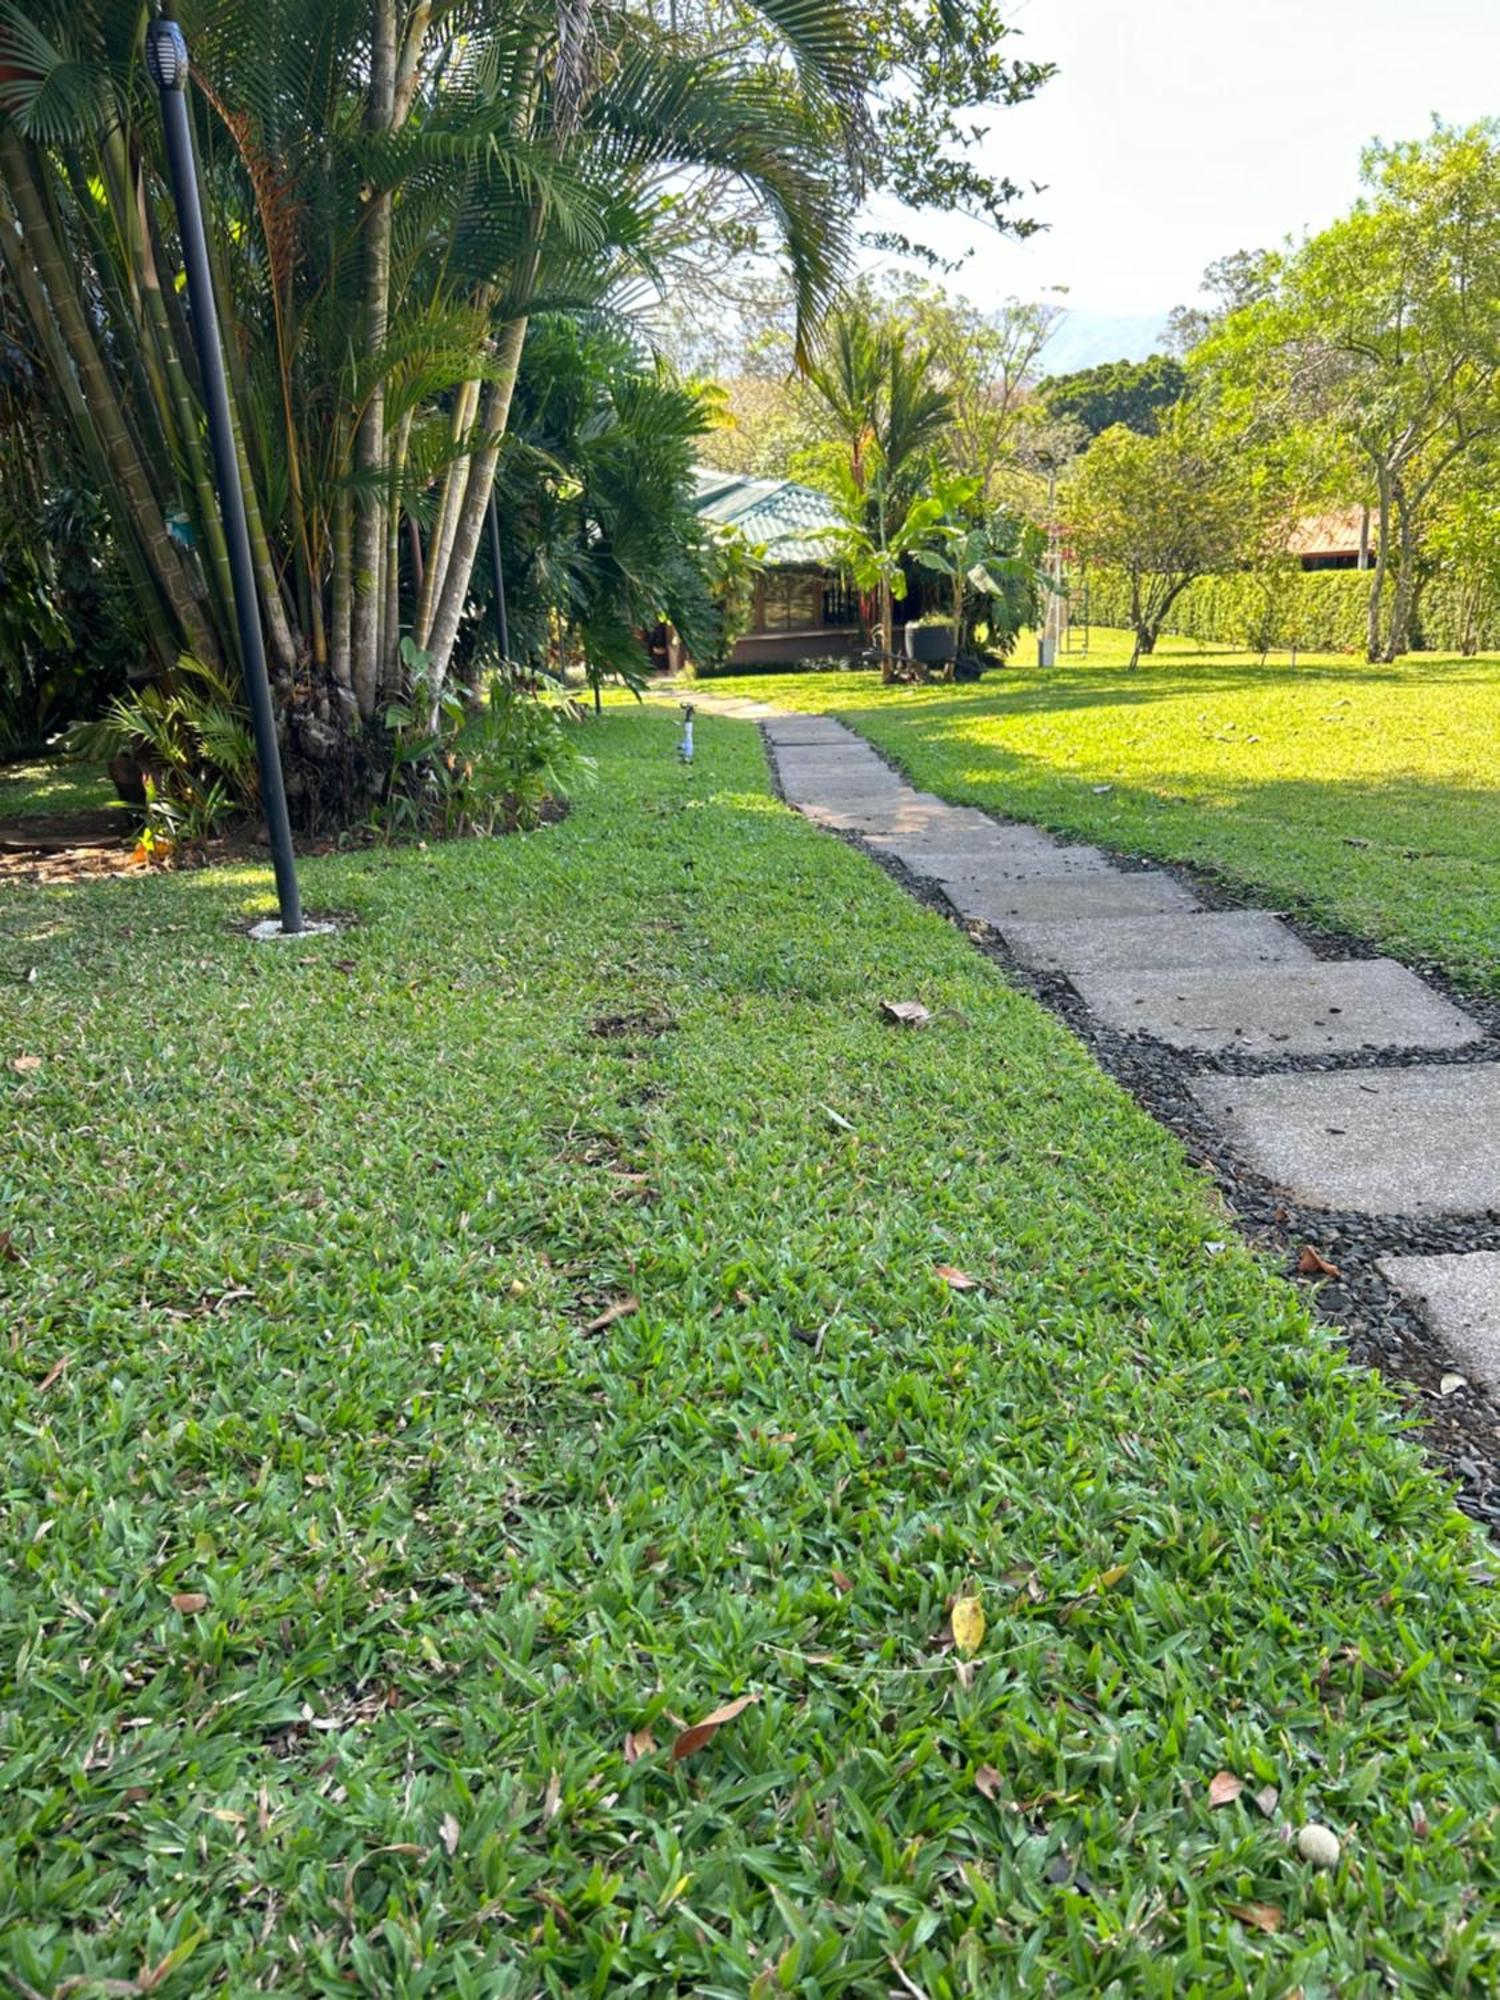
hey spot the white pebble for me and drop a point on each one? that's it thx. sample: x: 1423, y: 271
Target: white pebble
x: 1319, y: 1845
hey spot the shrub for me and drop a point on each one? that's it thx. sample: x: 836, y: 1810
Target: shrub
x: 1317, y: 611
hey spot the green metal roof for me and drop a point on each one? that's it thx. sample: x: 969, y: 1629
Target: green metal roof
x: 778, y: 515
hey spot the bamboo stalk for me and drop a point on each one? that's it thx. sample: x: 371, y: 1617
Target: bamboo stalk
x: 495, y: 417
x: 159, y: 629
x: 370, y: 443
x: 104, y: 410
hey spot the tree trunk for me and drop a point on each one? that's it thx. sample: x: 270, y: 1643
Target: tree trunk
x: 341, y: 656
x: 105, y: 416
x: 164, y: 640
x: 454, y: 592
x: 370, y: 439
x: 1382, y: 557
x: 1398, y: 635
x: 450, y: 501
x: 1137, y: 624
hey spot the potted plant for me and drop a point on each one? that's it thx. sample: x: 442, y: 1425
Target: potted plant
x: 931, y: 640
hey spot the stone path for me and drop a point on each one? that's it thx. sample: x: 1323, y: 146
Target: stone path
x: 1382, y: 1134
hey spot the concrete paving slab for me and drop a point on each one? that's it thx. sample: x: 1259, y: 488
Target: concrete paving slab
x: 812, y: 728
x: 940, y: 853
x: 1018, y: 863
x: 1067, y: 898
x: 827, y: 757
x: 850, y: 770
x: 1159, y: 943
x: 900, y: 811
x: 1420, y: 1141
x: 847, y: 784
x: 1459, y: 1297
x: 1294, y: 1010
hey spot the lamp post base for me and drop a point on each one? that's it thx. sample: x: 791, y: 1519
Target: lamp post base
x: 272, y: 927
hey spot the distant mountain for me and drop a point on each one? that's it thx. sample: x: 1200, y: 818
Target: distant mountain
x: 1086, y: 338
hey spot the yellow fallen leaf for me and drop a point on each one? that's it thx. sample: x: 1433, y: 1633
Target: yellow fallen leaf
x: 968, y: 1626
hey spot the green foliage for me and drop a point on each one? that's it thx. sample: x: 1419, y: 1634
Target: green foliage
x: 336, y: 1231
x: 1380, y: 333
x: 190, y: 740
x: 1132, y: 393
x: 1319, y: 611
x: 493, y: 760
x: 600, y: 538
x: 1163, y: 508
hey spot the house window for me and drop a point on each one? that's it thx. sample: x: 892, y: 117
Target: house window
x: 791, y: 601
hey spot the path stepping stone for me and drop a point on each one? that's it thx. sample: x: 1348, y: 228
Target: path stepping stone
x: 838, y: 790
x: 1053, y: 898
x: 1211, y: 937
x: 1022, y: 863
x: 899, y: 811
x: 1291, y: 1010
x: 1459, y: 1297
x: 1421, y: 1141
x: 942, y: 853
x: 810, y: 729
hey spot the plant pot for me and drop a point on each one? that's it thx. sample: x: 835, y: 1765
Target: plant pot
x: 929, y: 644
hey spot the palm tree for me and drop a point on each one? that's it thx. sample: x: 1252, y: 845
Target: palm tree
x: 394, y: 188
x: 888, y: 415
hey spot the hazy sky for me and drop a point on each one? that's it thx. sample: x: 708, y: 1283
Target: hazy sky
x: 1178, y: 130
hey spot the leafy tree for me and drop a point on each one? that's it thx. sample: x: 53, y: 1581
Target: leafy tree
x: 1163, y: 508
x: 1382, y: 333
x: 1133, y: 393
x: 1243, y: 278
x: 603, y: 540
x: 1464, y: 549
x: 986, y: 362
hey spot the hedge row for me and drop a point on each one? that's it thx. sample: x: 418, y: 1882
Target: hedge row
x: 1318, y: 611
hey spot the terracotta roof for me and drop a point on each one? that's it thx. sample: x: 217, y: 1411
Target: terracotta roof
x: 1333, y: 533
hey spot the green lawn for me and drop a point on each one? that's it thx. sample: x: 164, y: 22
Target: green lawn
x: 53, y: 785
x: 316, y: 1281
x: 1368, y: 797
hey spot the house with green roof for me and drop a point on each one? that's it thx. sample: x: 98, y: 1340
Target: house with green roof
x: 804, y: 608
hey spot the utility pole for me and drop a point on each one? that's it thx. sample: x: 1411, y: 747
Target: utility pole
x: 167, y: 63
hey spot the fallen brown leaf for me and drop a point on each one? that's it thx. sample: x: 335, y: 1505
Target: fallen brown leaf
x: 24, y: 1065
x: 841, y: 1583
x: 639, y: 1743
x: 611, y: 1313
x: 988, y: 1781
x: 908, y: 1013
x: 700, y: 1733
x: 449, y: 1833
x: 189, y: 1601
x: 1313, y: 1264
x: 552, y: 1797
x: 1264, y: 1916
x: 956, y: 1280
x: 9, y: 1254
x: 1268, y: 1798
x: 51, y: 1375
x: 1224, y: 1788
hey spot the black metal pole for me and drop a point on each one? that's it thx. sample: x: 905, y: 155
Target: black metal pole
x: 502, y: 626
x: 167, y: 61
